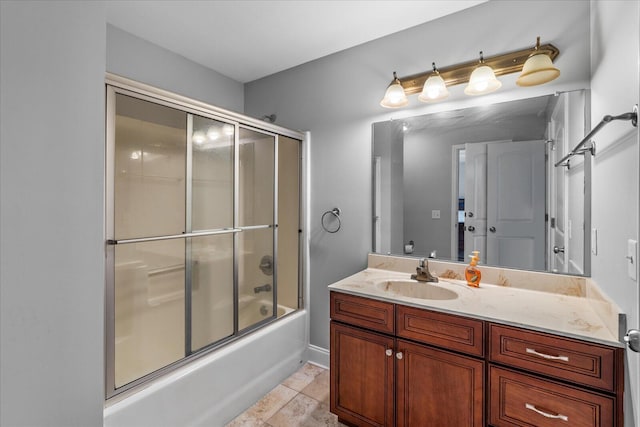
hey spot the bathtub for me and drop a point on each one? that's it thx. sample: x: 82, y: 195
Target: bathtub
x: 215, y: 388
x: 253, y: 310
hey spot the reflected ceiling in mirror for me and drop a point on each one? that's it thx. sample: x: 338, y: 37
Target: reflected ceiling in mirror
x: 482, y: 178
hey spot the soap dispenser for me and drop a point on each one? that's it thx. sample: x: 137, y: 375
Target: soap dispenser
x: 472, y: 273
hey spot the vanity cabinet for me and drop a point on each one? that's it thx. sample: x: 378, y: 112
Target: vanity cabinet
x: 384, y: 372
x: 395, y: 365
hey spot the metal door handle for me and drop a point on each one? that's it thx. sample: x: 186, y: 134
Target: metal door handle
x: 632, y: 338
x: 471, y: 228
x: 557, y: 250
x: 492, y: 229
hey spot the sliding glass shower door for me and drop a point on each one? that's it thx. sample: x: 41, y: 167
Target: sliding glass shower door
x: 149, y: 174
x: 210, y: 204
x: 256, y: 219
x: 192, y: 229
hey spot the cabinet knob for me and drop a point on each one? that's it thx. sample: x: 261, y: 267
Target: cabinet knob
x: 388, y: 352
x: 399, y: 355
x: 492, y: 229
x: 471, y: 228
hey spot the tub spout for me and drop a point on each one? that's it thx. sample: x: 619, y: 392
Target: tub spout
x: 264, y: 288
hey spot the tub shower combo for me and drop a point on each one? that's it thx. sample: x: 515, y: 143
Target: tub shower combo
x: 203, y: 231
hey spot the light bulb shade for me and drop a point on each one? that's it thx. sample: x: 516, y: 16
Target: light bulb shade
x: 482, y: 81
x: 394, y: 97
x: 538, y: 69
x: 434, y: 89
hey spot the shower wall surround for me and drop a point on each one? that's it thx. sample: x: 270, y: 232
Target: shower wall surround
x: 203, y: 219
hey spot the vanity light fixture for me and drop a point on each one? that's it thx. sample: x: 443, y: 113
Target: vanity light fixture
x: 395, y: 96
x: 538, y: 69
x: 482, y: 80
x: 507, y: 63
x: 434, y: 88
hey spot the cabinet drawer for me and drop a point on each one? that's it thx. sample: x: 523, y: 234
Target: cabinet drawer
x: 563, y: 358
x: 364, y: 312
x: 443, y: 330
x: 522, y: 400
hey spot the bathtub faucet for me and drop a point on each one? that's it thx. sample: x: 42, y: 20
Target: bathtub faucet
x: 263, y: 288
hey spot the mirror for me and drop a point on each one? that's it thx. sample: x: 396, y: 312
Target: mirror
x: 483, y: 178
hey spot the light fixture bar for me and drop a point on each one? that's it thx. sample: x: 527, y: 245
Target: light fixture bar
x: 457, y: 74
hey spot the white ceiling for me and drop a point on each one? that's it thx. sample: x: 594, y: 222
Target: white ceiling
x: 250, y: 39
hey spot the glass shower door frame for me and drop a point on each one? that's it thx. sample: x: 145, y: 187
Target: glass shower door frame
x: 111, y: 243
x: 238, y: 123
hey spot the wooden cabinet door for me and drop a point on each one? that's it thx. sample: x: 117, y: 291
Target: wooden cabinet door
x: 437, y: 388
x: 362, y: 386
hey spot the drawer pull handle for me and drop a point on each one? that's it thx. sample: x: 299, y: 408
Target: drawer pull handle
x: 388, y: 352
x: 547, y: 356
x: 545, y: 414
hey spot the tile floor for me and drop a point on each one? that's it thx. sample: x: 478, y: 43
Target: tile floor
x: 302, y: 400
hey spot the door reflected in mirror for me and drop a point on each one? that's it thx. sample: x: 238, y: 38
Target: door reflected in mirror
x: 483, y: 178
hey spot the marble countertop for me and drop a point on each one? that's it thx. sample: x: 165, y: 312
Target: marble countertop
x: 568, y: 315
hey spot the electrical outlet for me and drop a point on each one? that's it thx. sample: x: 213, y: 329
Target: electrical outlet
x: 632, y: 258
x: 435, y: 214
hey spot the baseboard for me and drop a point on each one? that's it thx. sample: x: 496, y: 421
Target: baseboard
x: 318, y: 356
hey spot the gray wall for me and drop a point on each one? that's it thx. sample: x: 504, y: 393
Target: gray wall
x: 52, y: 62
x: 427, y: 186
x: 53, y: 58
x: 337, y: 98
x: 140, y: 60
x: 615, y: 88
x: 391, y: 185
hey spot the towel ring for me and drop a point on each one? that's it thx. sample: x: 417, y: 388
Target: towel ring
x: 336, y: 213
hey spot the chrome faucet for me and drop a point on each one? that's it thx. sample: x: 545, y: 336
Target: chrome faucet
x: 422, y: 272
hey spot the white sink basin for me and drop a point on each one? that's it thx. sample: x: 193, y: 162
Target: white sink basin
x: 415, y: 289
